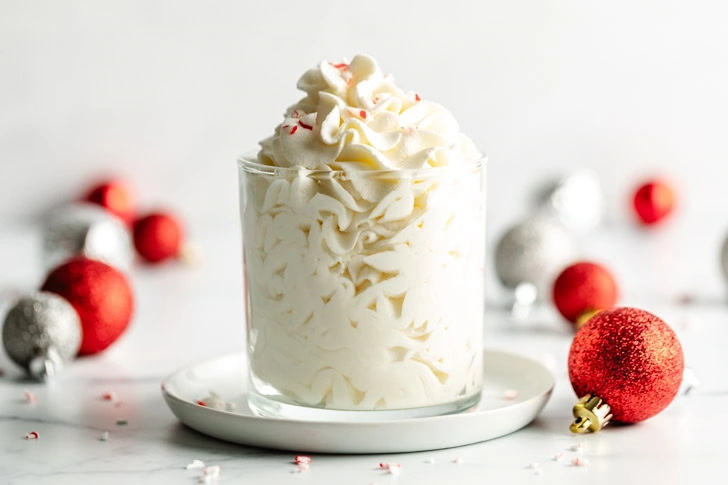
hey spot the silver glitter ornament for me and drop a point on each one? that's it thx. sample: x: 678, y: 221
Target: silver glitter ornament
x: 531, y: 253
x: 41, y: 332
x: 86, y: 230
x: 576, y: 201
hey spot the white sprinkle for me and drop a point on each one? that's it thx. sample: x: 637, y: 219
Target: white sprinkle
x: 559, y: 457
x: 104, y: 436
x: 510, y: 394
x: 430, y: 461
x: 534, y: 466
x: 204, y: 479
x: 580, y: 462
x: 458, y: 460
x: 577, y: 448
x: 30, y: 397
x: 538, y: 472
x: 211, y: 471
x: 195, y: 464
x: 394, y: 470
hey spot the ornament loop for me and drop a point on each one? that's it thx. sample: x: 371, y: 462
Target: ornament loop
x: 591, y: 413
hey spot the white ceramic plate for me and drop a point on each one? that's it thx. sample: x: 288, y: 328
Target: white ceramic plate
x: 495, y: 416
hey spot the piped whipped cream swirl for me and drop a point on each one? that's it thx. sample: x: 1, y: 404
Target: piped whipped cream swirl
x: 365, y: 281
x: 354, y: 117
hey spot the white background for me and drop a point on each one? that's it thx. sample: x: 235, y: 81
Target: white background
x: 168, y: 93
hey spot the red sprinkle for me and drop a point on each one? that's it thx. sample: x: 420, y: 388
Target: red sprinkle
x: 341, y: 65
x: 201, y: 403
x: 363, y: 114
x: 30, y: 397
x: 304, y: 125
x: 294, y: 129
x: 417, y: 97
x: 109, y: 396
x: 33, y: 435
x: 286, y: 126
x: 302, y: 460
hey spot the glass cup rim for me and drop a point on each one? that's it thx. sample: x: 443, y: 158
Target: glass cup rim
x: 249, y: 162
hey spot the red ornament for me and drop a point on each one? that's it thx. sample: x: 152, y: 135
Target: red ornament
x: 583, y: 288
x: 158, y: 237
x: 654, y: 201
x: 626, y: 362
x: 100, y: 294
x: 116, y: 197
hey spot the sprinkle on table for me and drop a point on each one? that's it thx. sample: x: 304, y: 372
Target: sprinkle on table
x: 30, y: 397
x: 392, y: 468
x: 559, y: 457
x: 578, y: 461
x: 33, y: 435
x: 458, y: 460
x: 104, y: 436
x: 195, y: 464
x: 110, y: 396
x: 577, y: 448
x: 121, y: 422
x: 534, y: 466
x: 302, y: 460
x: 430, y: 461
x: 510, y: 394
x: 211, y: 471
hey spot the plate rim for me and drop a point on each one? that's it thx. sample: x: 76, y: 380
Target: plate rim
x: 547, y: 390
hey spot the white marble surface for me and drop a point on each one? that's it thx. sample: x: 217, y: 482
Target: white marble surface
x: 188, y: 314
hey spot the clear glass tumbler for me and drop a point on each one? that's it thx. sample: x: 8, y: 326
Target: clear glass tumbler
x: 364, y: 290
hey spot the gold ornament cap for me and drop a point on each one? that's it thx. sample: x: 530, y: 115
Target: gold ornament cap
x: 585, y: 317
x: 591, y: 413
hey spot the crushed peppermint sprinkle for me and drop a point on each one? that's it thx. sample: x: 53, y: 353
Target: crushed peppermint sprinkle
x: 302, y: 459
x: 211, y: 471
x: 110, y: 396
x: 458, y: 460
x: 558, y: 457
x: 104, y: 436
x: 304, y: 125
x: 195, y: 464
x: 363, y: 114
x: 30, y: 397
x: 201, y: 403
x: 33, y: 435
x: 510, y: 394
x: 390, y: 466
x: 578, y: 448
x: 286, y: 126
x: 121, y: 422
x: 302, y: 467
x: 580, y: 461
x: 417, y: 97
x: 294, y: 129
x: 430, y: 461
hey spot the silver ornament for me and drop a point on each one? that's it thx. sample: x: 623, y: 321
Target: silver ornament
x: 531, y: 254
x: 41, y: 332
x: 576, y: 201
x: 86, y: 230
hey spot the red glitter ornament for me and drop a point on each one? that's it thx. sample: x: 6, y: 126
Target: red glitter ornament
x: 116, y: 197
x: 626, y: 362
x: 100, y: 294
x: 583, y: 288
x: 653, y: 201
x: 158, y: 237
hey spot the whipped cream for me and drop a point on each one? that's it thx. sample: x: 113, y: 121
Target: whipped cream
x: 354, y: 117
x: 364, y: 279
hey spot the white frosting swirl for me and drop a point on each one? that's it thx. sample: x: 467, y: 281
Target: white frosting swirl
x: 354, y: 117
x: 365, y: 287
